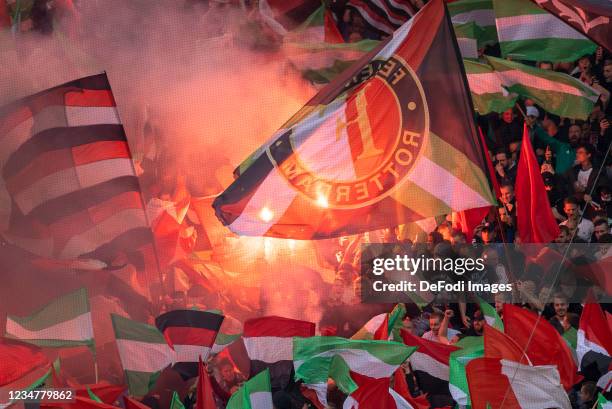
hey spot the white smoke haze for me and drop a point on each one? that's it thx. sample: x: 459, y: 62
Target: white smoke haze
x: 210, y: 98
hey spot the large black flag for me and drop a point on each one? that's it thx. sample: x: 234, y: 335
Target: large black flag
x: 593, y: 18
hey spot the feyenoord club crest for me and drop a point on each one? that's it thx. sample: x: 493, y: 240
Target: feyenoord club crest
x: 356, y: 150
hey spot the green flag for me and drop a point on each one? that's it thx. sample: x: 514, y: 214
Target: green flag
x: 176, y: 402
x: 602, y: 402
x: 490, y: 315
x: 479, y: 12
x: 467, y: 38
x: 556, y: 92
x: 471, y: 348
x: 254, y: 394
x: 486, y: 88
x: 527, y: 32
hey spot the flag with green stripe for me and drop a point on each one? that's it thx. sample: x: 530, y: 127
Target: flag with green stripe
x: 556, y: 92
x: 467, y: 38
x: 64, y: 322
x: 479, y: 12
x: 176, y: 402
x: 527, y: 32
x: 317, y: 358
x: 386, y: 325
x: 602, y: 402
x: 488, y: 94
x: 471, y: 348
x: 222, y: 341
x: 490, y: 315
x: 254, y: 394
x: 143, y: 352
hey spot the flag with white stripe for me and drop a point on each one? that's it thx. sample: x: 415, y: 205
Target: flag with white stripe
x: 430, y: 362
x: 64, y: 322
x: 556, y: 92
x: 66, y: 167
x: 478, y: 12
x: 269, y: 345
x: 526, y: 32
x: 594, y: 342
x: 143, y: 352
x: 256, y: 393
x: 383, y: 16
x: 388, y: 142
x: 467, y: 38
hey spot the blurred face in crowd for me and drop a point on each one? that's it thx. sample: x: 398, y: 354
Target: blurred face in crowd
x: 584, y: 64
x: 408, y: 325
x: 560, y: 305
x: 506, y: 194
x: 502, y: 159
x: 507, y: 115
x: 573, y: 134
x: 583, y: 156
x: 571, y: 211
x: 563, y: 237
x: 600, y: 230
x: 487, y: 235
x: 357, y: 287
x: 458, y: 239
x: 530, y: 120
x: 607, y: 72
x: 490, y: 257
x: 546, y: 66
x: 227, y: 373
x: 499, y: 302
x: 434, y: 325
x: 478, y: 323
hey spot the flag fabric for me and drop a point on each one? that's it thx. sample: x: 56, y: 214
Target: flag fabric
x: 22, y: 367
x: 319, y: 27
x: 283, y: 16
x: 400, y: 386
x: 488, y: 92
x: 479, y: 12
x: 534, y: 217
x: 541, y: 342
x: 321, y: 62
x: 318, y: 358
x: 269, y: 342
x: 430, y: 362
x: 253, y: 394
x: 467, y: 38
x: 602, y: 402
x: 170, y: 233
x: 555, y: 92
x: 526, y: 32
x: 355, y: 159
x: 191, y: 334
x: 499, y: 345
x: 383, y: 326
x: 64, y: 322
x: 5, y: 18
x: 593, y: 342
x: 102, y: 391
x: 471, y: 348
x: 591, y: 18
x: 80, y: 402
x: 383, y: 16
x: 204, y: 393
x: 490, y: 315
x: 176, y: 402
x: 222, y: 341
x: 131, y: 403
x: 375, y: 394
x: 67, y: 169
x: 496, y: 383
x: 143, y: 352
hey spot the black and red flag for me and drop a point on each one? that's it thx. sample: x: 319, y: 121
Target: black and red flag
x: 593, y: 18
x: 68, y: 189
x: 390, y: 141
x: 191, y: 333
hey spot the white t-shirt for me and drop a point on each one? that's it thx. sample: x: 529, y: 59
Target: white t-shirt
x: 583, y: 177
x: 430, y: 336
x: 585, y: 229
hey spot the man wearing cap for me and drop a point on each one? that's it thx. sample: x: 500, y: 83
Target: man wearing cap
x: 477, y: 325
x: 565, y: 153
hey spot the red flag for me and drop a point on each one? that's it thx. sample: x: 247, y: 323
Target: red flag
x: 382, y: 333
x: 401, y: 387
x: 5, y: 19
x: 501, y: 346
x: 134, y: 404
x: 487, y: 386
x: 79, y: 403
x: 107, y: 392
x: 489, y: 164
x: 541, y: 341
x: 332, y: 34
x: 205, y: 398
x: 536, y: 223
x: 18, y: 359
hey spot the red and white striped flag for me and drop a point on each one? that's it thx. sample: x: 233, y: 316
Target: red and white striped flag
x: 67, y: 175
x: 269, y: 344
